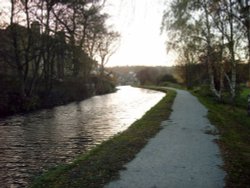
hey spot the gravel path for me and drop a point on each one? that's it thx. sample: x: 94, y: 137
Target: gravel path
x: 181, y: 155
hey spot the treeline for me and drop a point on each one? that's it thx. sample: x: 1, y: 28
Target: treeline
x: 144, y: 75
x: 155, y: 75
x: 49, y: 53
x: 135, y: 69
x: 213, y: 41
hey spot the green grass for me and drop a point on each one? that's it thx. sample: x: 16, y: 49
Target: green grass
x: 162, y: 86
x: 234, y: 128
x: 102, y: 164
x: 241, y: 100
x: 173, y: 85
x: 245, y: 92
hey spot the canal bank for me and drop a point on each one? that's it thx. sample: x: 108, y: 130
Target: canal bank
x: 102, y: 164
x: 63, y: 92
x: 182, y: 154
x: 35, y: 142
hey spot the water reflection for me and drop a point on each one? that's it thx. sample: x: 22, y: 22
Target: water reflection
x: 32, y: 143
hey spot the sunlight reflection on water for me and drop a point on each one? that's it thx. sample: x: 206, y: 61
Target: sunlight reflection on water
x: 37, y: 141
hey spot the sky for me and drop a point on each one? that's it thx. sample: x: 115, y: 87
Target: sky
x: 139, y: 22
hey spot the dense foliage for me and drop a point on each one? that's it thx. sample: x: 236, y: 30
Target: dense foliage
x: 48, y: 44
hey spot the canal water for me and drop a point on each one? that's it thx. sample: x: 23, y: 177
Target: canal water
x: 32, y: 143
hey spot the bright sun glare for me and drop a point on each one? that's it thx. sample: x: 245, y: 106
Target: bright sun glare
x: 139, y: 23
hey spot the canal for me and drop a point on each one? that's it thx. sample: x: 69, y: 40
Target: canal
x: 32, y: 143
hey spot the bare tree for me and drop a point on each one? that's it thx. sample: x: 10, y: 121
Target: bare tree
x: 107, y: 45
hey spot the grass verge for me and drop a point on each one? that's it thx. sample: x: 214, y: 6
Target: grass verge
x: 102, y: 164
x: 234, y: 127
x: 173, y: 85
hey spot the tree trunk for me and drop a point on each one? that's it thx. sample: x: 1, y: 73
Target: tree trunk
x: 208, y: 58
x: 248, y: 35
x: 249, y: 51
x: 232, y: 52
x: 16, y: 52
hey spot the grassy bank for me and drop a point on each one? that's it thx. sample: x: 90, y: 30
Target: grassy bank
x: 103, y: 163
x: 234, y: 127
x: 241, y: 100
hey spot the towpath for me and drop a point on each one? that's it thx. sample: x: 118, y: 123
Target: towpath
x: 181, y: 155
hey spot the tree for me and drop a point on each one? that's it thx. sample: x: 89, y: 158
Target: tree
x: 184, y: 33
x: 24, y: 55
x: 242, y: 14
x: 49, y: 39
x: 148, y: 75
x: 226, y: 24
x: 205, y: 31
x: 78, y: 20
x: 107, y: 45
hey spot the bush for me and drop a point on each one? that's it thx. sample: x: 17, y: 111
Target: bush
x: 62, y: 92
x: 104, y: 86
x: 30, y: 103
x: 203, y: 90
x: 167, y: 78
